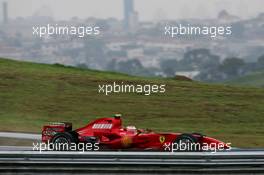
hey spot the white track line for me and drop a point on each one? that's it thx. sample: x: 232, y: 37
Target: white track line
x: 20, y: 135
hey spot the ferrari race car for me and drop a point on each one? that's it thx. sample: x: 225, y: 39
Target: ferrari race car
x: 109, y: 134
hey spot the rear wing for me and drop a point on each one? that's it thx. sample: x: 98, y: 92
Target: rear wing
x: 48, y: 131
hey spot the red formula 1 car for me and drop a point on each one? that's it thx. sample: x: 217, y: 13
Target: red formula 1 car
x: 108, y: 133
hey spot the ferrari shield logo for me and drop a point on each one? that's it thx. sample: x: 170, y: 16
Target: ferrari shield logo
x: 162, y: 139
x: 126, y: 141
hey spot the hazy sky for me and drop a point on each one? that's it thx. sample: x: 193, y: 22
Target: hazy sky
x: 148, y: 9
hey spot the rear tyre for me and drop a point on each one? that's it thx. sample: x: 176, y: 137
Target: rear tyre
x: 63, y: 141
x: 186, y: 143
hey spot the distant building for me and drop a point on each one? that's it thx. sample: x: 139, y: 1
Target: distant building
x: 133, y: 22
x: 5, y: 13
x: 130, y: 16
x: 225, y: 17
x: 44, y: 12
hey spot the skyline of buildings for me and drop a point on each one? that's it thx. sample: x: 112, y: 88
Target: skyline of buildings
x: 146, y: 44
x: 147, y: 9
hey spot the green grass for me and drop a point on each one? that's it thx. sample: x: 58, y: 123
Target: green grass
x: 254, y: 80
x: 32, y: 95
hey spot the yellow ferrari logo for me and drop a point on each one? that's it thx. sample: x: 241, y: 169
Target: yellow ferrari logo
x: 162, y: 139
x: 126, y: 141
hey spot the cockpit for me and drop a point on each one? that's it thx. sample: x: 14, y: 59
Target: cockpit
x: 131, y: 129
